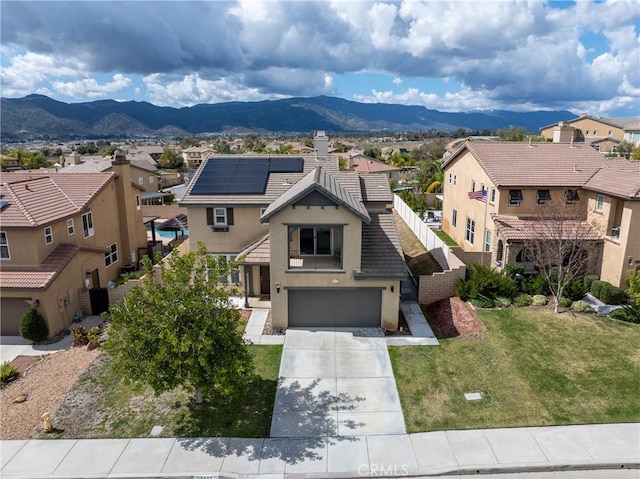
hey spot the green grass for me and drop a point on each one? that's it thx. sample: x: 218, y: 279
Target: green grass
x: 102, y: 405
x: 448, y: 240
x: 533, y: 367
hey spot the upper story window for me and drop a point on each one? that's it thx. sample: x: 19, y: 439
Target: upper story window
x: 492, y: 198
x: 48, y: 235
x: 450, y: 178
x: 4, y: 246
x: 87, y: 224
x: 595, y: 132
x: 609, y: 132
x: 543, y: 197
x: 470, y: 231
x: 70, y: 227
x: 137, y: 202
x: 487, y: 240
x: 455, y: 180
x: 112, y: 256
x: 454, y: 218
x: 599, y: 203
x: 151, y: 179
x: 515, y: 197
x: 586, y: 132
x: 571, y: 197
x: 473, y: 185
x: 219, y: 217
x: 140, y: 180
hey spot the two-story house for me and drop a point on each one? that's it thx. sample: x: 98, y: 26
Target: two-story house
x: 320, y: 242
x: 194, y: 156
x: 365, y: 165
x: 63, y: 235
x: 496, y: 194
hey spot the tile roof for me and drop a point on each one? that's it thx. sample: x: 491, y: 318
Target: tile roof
x: 535, y: 164
x: 37, y: 199
x: 329, y: 185
x: 375, y: 188
x: 365, y: 164
x: 259, y: 252
x: 41, y: 276
x: 382, y: 255
x: 620, y: 178
x: 277, y: 184
x: 100, y: 164
x: 518, y: 228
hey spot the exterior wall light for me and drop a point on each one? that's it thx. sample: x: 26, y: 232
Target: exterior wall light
x: 277, y: 286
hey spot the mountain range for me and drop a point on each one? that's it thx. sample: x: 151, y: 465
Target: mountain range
x: 38, y: 117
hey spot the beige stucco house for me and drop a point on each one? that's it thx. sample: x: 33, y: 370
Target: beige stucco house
x: 194, y: 156
x: 521, y: 181
x: 62, y: 236
x: 319, y: 242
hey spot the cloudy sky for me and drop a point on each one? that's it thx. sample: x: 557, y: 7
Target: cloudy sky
x: 445, y: 55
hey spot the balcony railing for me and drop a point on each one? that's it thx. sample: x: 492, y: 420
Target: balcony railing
x: 298, y: 260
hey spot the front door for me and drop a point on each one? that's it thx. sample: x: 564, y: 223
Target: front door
x: 265, y: 280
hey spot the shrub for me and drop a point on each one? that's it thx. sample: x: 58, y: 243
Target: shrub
x: 8, y: 372
x: 596, y: 288
x: 513, y: 269
x: 536, y: 285
x: 484, y: 281
x: 502, y: 302
x: 33, y: 326
x: 94, y: 334
x: 565, y: 302
x: 574, y: 291
x: 80, y: 337
x: 629, y: 313
x: 522, y: 300
x: 582, y: 307
x: 607, y: 293
x: 539, y: 300
x: 588, y: 280
x: 483, y: 302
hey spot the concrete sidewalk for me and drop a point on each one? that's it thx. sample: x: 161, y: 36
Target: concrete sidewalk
x: 585, y: 447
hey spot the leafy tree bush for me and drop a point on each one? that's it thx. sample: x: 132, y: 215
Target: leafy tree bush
x: 484, y: 281
x: 513, y: 269
x: 596, y: 288
x: 629, y: 313
x: 581, y: 307
x: 33, y: 326
x: 502, y: 302
x: 565, y: 302
x: 588, y: 281
x: 522, y: 300
x: 483, y: 302
x: 539, y: 300
x: 535, y: 285
x: 575, y: 290
x: 7, y: 373
x: 607, y: 293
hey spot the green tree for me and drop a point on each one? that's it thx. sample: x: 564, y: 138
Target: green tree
x: 254, y: 143
x: 513, y: 133
x: 169, y: 159
x: 35, y: 161
x: 181, y: 329
x: 188, y: 142
x: 634, y: 286
x: 221, y: 146
x: 635, y: 154
x: 625, y: 148
x: 108, y: 151
x: 373, y: 152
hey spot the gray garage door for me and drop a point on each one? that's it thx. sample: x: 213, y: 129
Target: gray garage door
x: 357, y: 307
x: 12, y: 311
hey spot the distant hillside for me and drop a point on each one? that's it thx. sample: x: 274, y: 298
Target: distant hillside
x: 39, y: 117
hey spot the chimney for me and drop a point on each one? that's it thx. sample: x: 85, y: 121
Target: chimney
x: 321, y: 144
x: 75, y: 158
x: 126, y: 202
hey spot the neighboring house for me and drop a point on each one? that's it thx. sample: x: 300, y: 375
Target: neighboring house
x: 154, y: 151
x: 590, y: 129
x: 519, y: 180
x: 632, y: 133
x: 321, y: 243
x: 61, y: 235
x: 8, y: 163
x: 194, y: 156
x: 365, y: 165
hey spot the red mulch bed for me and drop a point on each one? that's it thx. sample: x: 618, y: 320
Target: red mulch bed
x: 21, y: 363
x: 244, y: 314
x: 453, y: 317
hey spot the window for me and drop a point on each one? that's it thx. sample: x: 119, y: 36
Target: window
x: 137, y: 202
x: 614, y: 148
x: 586, y: 132
x: 450, y: 178
x: 571, y: 197
x: 609, y: 133
x: 140, y: 180
x: 4, y: 246
x: 112, y: 256
x: 219, y: 218
x: 487, y: 240
x: 151, y: 179
x: 481, y: 186
x: 543, y: 197
x: 471, y: 230
x: 454, y: 218
x: 493, y: 195
x: 473, y: 185
x: 515, y: 197
x: 70, y: 227
x: 392, y: 175
x: 595, y: 132
x: 87, y: 224
x: 315, y: 240
x: 455, y: 180
x: 234, y: 277
x: 599, y: 203
x: 48, y: 235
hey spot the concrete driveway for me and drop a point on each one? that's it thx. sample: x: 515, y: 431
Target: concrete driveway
x: 336, y: 382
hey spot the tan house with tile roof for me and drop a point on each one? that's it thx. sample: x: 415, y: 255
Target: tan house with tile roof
x: 320, y: 242
x: 519, y: 181
x: 194, y: 156
x: 366, y: 165
x: 61, y: 235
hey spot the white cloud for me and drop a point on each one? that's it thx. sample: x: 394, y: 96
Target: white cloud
x: 397, y: 81
x: 90, y: 89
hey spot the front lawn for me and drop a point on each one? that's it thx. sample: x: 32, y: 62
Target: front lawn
x: 533, y: 368
x: 101, y: 405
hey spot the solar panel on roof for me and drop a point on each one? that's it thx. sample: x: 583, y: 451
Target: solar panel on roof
x: 226, y: 176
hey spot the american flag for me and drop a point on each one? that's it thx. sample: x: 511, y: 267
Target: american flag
x: 478, y: 195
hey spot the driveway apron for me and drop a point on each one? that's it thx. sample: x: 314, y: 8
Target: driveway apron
x: 336, y: 382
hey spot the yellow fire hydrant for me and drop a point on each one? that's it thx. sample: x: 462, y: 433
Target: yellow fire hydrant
x: 48, y: 423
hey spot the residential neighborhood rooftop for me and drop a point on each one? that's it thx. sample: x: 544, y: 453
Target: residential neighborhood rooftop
x: 521, y: 228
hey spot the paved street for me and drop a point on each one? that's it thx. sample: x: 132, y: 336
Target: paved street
x: 336, y: 382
